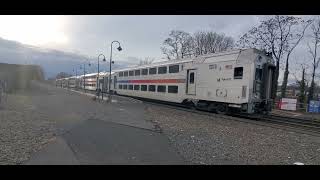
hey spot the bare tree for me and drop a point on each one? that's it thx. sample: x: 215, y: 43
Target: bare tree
x: 62, y: 75
x: 147, y: 60
x: 176, y: 46
x: 200, y: 43
x: 211, y: 42
x: 296, y: 30
x: 313, y: 51
x: 181, y: 44
x: 274, y: 35
x: 302, y: 83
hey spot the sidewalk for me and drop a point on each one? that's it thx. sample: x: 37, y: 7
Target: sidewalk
x: 118, y: 134
x: 99, y: 142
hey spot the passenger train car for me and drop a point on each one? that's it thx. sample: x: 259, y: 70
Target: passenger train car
x: 72, y: 82
x: 58, y: 82
x: 90, y: 81
x: 238, y: 80
x: 102, y: 83
x: 65, y: 82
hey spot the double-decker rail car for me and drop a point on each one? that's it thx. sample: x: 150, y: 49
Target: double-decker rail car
x: 65, y: 82
x: 103, y: 81
x: 89, y: 81
x: 237, y: 80
x: 59, y: 82
x: 72, y: 82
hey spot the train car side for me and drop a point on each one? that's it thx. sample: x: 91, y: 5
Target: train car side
x: 217, y: 82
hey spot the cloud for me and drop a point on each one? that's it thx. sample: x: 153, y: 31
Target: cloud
x: 55, y: 61
x: 143, y: 35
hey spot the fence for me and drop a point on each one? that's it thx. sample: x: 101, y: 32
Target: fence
x: 298, y: 107
x: 311, y: 110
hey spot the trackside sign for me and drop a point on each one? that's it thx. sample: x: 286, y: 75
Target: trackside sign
x: 288, y: 104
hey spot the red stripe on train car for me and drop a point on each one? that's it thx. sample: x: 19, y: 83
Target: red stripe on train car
x: 158, y: 81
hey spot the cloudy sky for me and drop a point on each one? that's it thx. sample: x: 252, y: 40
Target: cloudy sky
x: 140, y: 35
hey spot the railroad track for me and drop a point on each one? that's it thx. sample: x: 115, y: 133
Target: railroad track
x: 305, y: 126
x: 293, y: 124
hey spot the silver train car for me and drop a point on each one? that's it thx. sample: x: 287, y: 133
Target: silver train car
x: 237, y: 80
x: 233, y: 81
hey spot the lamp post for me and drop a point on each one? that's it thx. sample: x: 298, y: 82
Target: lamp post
x: 76, y: 77
x: 84, y: 74
x: 104, y: 59
x: 111, y: 62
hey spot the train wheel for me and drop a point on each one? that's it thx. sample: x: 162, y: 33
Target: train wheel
x: 221, y: 109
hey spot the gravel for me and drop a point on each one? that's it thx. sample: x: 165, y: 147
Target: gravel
x: 22, y: 130
x: 202, y: 139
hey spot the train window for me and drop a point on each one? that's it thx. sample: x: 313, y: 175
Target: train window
x: 238, y: 73
x: 120, y: 74
x: 174, y: 69
x: 212, y: 66
x: 130, y: 87
x: 153, y: 71
x: 172, y: 89
x: 162, y: 70
x: 125, y: 86
x: 143, y: 87
x: 137, y: 72
x: 120, y: 86
x: 161, y: 89
x: 125, y: 74
x: 136, y: 87
x: 131, y: 73
x: 258, y: 74
x: 144, y: 72
x: 191, y: 78
x: 152, y: 88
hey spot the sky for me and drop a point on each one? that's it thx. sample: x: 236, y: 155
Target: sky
x: 140, y: 36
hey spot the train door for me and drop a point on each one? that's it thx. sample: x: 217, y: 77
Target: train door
x: 191, y: 82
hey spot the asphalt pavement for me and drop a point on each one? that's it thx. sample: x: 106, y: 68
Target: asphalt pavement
x: 120, y: 135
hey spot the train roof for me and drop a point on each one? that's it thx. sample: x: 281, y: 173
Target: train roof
x: 220, y: 56
x: 214, y: 57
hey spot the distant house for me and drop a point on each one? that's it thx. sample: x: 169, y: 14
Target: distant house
x: 292, y: 91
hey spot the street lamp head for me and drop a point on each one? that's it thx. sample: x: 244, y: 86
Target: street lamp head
x: 119, y: 48
x: 104, y: 59
x: 112, y: 62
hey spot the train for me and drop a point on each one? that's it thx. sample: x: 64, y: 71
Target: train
x: 240, y: 80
